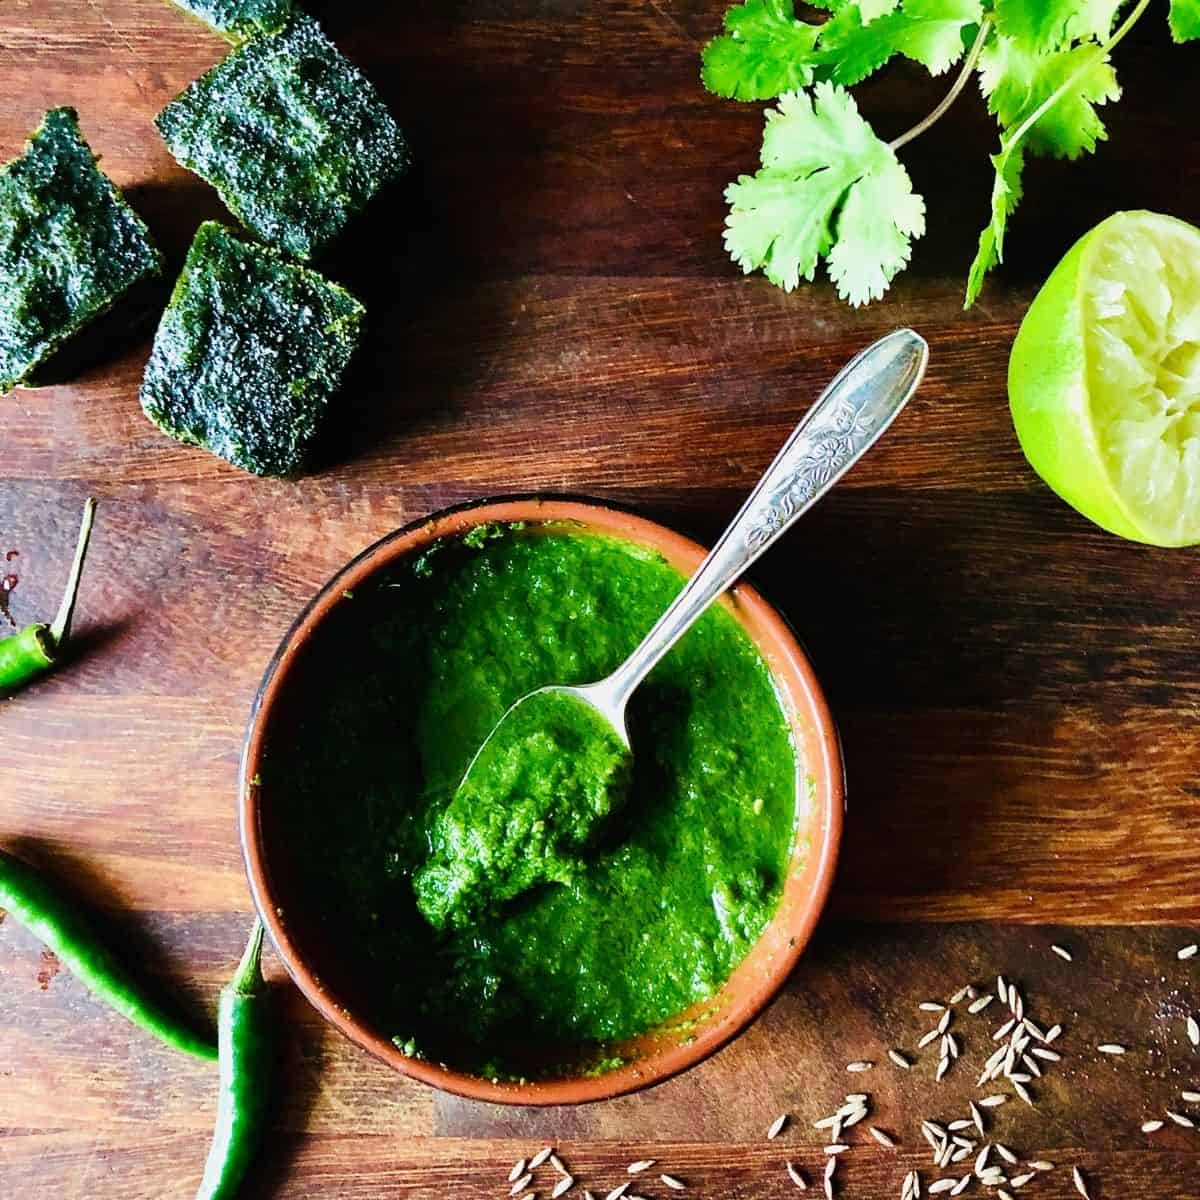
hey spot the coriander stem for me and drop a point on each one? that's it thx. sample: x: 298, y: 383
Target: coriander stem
x: 985, y: 27
x: 62, y: 622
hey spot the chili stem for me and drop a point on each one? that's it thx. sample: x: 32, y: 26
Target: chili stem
x: 61, y: 626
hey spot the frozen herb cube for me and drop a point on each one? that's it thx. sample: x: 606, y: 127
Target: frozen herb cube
x: 70, y: 246
x: 240, y: 19
x: 248, y: 354
x: 290, y: 133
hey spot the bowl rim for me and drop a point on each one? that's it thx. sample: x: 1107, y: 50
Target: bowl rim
x: 829, y: 774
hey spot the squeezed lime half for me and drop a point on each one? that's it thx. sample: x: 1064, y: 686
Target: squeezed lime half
x: 1104, y: 378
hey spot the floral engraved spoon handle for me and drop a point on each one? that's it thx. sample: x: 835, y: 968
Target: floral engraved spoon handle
x: 845, y: 422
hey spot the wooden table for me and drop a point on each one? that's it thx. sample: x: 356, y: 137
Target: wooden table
x: 551, y: 309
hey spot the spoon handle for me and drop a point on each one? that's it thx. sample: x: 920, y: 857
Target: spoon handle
x: 844, y: 423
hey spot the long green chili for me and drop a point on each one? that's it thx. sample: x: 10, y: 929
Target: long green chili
x: 37, y: 647
x: 244, y: 1032
x: 57, y: 922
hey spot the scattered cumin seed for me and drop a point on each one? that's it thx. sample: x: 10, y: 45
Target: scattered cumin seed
x: 981, y: 1161
x: 944, y: 1023
x: 1022, y: 1091
x: 853, y: 1118
x: 1001, y: 989
x: 1006, y: 1154
x: 1031, y: 1066
x: 1151, y: 1126
x: 1187, y: 952
x: 618, y: 1191
x: 942, y: 1185
x: 961, y: 994
x: 942, y: 1067
x: 558, y: 1165
x: 540, y: 1157
x: 519, y: 1185
x: 1019, y: 1181
x: 676, y: 1185
x: 528, y: 1196
x: 1020, y: 1077
x: 772, y: 1133
x: 1062, y: 952
x: 960, y: 1186
x: 827, y: 1122
x: 1040, y: 1164
x: 1005, y: 1029
x: 1191, y: 1097
x: 1033, y: 1029
x: 856, y: 1098
x: 1048, y: 1055
x: 1001, y: 1194
x: 955, y: 1126
x: 931, y: 1036
x: 564, y: 1185
x: 836, y: 1148
x: 1193, y: 1031
x: 797, y: 1176
x: 882, y: 1138
x: 1080, y: 1185
x: 517, y: 1171
x: 992, y: 1101
x: 644, y: 1164
x: 950, y: 1043
x: 856, y: 1067
x: 977, y: 1006
x: 1180, y: 1119
x: 959, y: 1155
x: 1111, y: 1048
x: 931, y: 1006
x: 977, y: 1117
x: 1052, y: 1033
x: 899, y: 1059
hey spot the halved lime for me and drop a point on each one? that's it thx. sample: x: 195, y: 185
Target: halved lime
x: 1104, y: 378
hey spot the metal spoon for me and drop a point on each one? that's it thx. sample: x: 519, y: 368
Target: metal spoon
x: 845, y: 422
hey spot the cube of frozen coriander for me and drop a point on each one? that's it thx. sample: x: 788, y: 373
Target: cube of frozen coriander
x: 70, y: 247
x: 240, y: 19
x: 249, y: 353
x: 290, y: 133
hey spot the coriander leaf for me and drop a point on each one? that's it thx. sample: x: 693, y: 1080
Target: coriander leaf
x: 870, y: 9
x: 1006, y: 193
x: 828, y: 187
x: 1017, y: 81
x: 765, y: 51
x: 929, y: 32
x: 1049, y: 24
x: 1185, y: 20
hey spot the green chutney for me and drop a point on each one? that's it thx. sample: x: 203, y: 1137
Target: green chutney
x: 538, y: 792
x: 392, y: 698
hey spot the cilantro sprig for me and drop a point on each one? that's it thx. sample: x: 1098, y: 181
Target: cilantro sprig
x: 830, y: 189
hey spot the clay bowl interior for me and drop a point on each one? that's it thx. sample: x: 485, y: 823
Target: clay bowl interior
x: 329, y: 972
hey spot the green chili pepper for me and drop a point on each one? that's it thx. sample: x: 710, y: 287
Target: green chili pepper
x: 36, y: 648
x: 247, y: 1050
x: 56, y: 921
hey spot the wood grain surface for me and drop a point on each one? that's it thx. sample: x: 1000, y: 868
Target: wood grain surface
x: 551, y: 309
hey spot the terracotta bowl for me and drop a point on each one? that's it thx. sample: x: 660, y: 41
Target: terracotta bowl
x: 693, y: 1035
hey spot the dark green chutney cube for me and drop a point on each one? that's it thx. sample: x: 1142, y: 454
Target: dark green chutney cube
x: 291, y: 134
x: 241, y: 19
x: 70, y: 247
x: 248, y: 353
